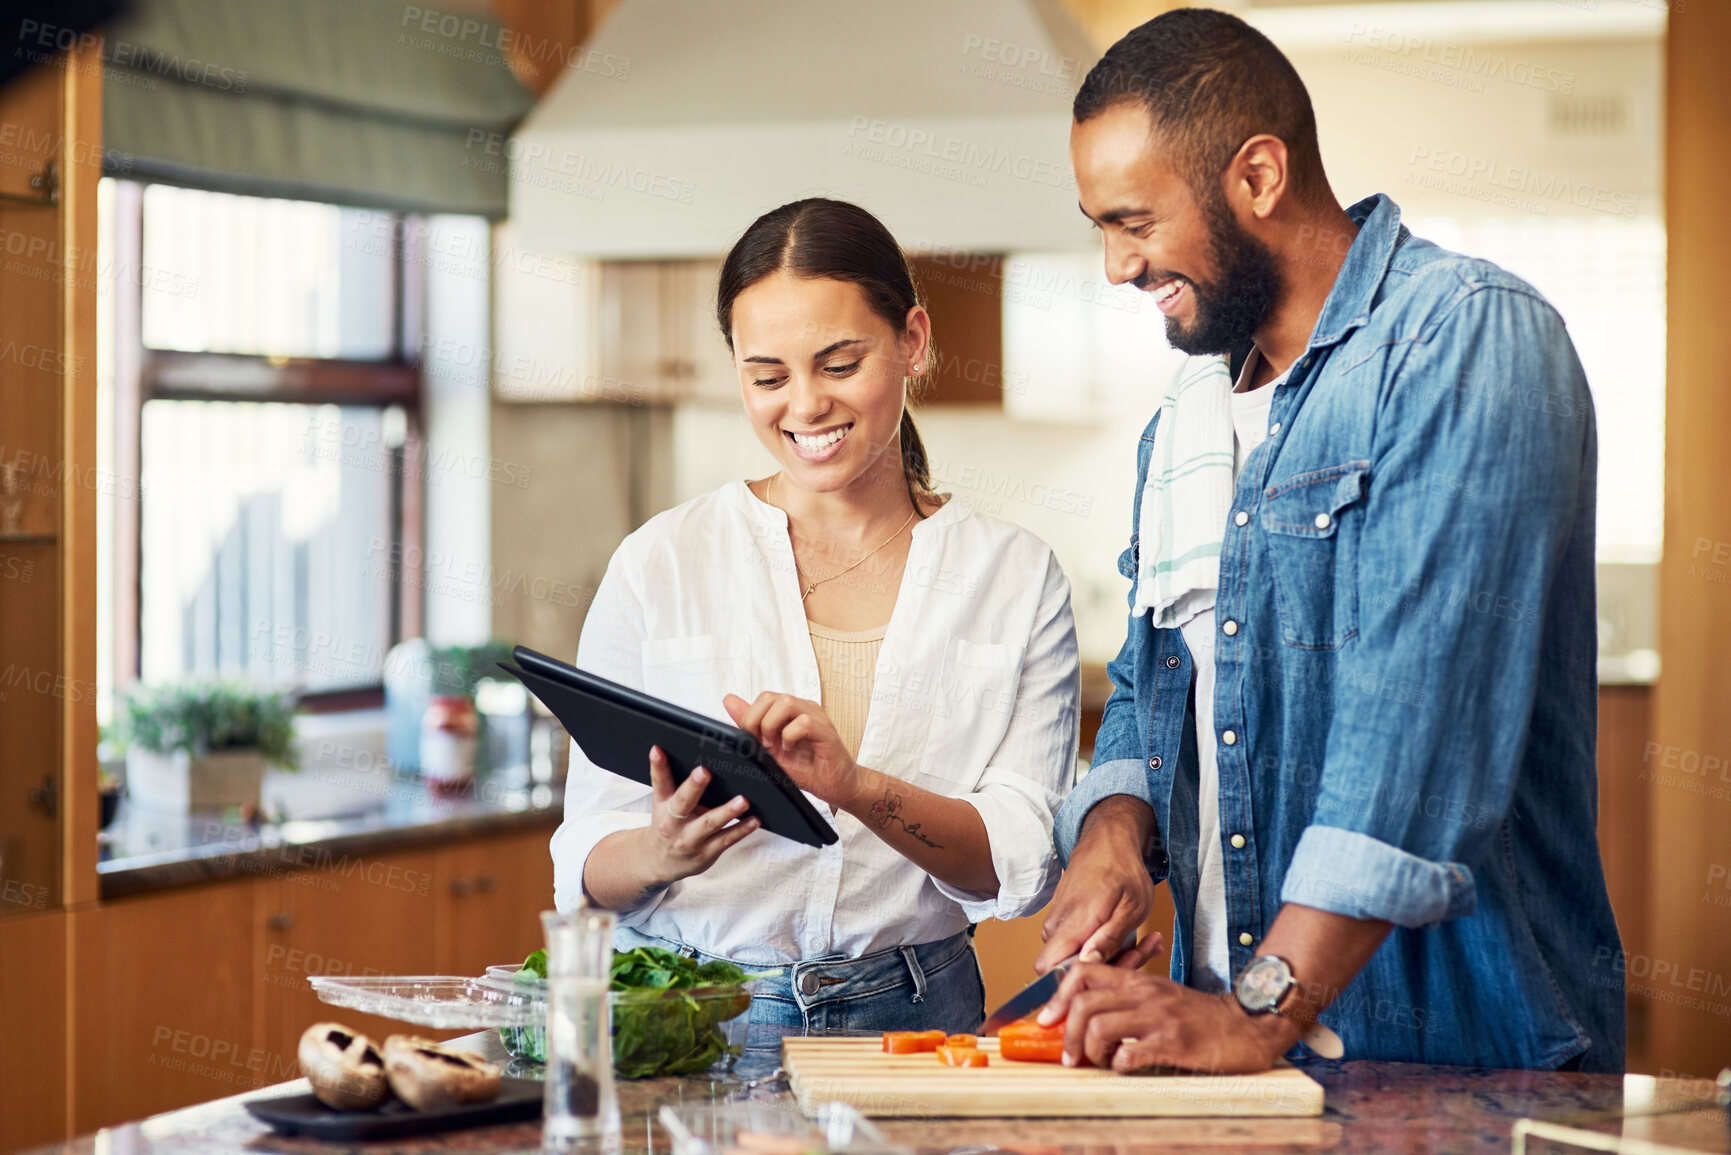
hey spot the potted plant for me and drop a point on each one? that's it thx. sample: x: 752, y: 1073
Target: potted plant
x: 457, y: 670
x: 203, y: 745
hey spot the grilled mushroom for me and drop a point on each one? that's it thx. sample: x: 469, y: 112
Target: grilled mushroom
x: 426, y: 1075
x: 344, y: 1067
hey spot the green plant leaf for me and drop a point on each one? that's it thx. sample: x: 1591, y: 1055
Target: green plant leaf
x: 204, y: 717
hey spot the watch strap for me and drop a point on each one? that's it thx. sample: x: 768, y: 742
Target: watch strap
x: 1323, y: 1041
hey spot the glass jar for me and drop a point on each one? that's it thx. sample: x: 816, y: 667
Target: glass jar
x: 449, y: 733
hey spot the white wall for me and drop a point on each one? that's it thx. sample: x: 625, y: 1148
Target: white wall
x: 459, y: 454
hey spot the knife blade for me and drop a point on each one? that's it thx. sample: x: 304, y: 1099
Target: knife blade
x: 1039, y: 992
x: 1027, y: 1000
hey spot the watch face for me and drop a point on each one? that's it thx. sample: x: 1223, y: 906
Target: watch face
x: 1262, y: 984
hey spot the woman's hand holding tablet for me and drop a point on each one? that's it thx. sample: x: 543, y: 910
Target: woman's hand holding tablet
x: 683, y: 837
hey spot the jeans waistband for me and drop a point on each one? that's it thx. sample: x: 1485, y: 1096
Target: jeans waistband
x: 817, y: 981
x: 811, y: 982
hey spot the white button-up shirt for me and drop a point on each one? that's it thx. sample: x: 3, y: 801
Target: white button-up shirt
x: 976, y: 697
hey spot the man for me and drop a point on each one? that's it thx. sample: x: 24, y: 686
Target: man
x: 1353, y: 720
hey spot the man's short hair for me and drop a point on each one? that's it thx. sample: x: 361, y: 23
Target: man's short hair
x: 1209, y: 82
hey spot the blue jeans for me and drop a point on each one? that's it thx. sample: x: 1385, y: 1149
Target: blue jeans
x: 928, y: 986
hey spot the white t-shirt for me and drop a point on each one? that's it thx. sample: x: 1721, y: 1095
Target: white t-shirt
x: 1211, y: 959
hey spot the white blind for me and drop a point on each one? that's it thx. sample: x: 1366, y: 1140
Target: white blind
x: 265, y: 543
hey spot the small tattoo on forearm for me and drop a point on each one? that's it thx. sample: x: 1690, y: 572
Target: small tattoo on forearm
x: 888, y: 809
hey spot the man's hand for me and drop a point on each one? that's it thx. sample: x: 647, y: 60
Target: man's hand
x: 1130, y: 1021
x: 1106, y: 892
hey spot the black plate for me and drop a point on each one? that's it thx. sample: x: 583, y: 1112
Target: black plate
x: 518, y: 1099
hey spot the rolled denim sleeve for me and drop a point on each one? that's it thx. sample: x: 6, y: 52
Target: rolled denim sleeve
x: 1034, y: 765
x: 1481, y: 484
x: 1356, y: 875
x: 1123, y: 776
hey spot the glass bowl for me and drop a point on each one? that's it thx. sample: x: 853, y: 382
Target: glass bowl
x: 655, y: 1032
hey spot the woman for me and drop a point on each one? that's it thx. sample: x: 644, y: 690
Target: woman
x: 938, y: 641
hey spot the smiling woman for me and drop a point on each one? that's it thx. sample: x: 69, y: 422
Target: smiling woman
x: 824, y: 279
x: 938, y: 724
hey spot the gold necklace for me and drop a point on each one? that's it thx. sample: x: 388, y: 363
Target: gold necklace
x: 840, y: 573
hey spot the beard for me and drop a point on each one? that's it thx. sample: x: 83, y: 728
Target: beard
x: 1230, y: 308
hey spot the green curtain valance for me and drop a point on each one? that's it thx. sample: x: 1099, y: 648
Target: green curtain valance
x: 363, y: 102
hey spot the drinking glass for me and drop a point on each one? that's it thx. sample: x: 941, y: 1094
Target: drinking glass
x: 581, y: 1112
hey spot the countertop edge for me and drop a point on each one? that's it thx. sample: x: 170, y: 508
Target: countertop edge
x: 217, y: 864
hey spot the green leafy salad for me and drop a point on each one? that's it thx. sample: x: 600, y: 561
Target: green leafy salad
x: 667, y: 1011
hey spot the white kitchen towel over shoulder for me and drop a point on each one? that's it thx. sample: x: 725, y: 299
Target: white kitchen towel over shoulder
x: 1186, y: 496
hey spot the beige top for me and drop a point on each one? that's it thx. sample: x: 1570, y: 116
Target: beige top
x: 847, y: 662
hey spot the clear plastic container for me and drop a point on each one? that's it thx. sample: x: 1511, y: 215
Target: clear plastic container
x: 753, y: 1128
x: 438, y: 1001
x: 655, y: 1032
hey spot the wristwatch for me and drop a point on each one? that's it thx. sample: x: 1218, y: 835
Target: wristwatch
x: 1266, y: 986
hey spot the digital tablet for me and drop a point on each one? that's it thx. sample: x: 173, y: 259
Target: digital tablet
x: 615, y: 726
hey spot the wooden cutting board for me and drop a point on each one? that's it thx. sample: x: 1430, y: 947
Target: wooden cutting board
x: 857, y: 1072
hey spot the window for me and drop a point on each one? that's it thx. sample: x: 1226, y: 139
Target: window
x: 261, y: 363
x: 271, y: 277
x: 267, y: 535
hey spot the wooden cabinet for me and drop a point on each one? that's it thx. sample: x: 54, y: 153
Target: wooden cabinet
x: 963, y: 293
x: 626, y: 332
x: 48, y: 484
x: 358, y: 915
x: 163, y: 997
x: 191, y: 994
x: 644, y: 332
x: 33, y: 1020
x: 491, y: 897
x: 659, y: 339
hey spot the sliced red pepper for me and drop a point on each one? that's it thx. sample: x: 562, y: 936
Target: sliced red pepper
x: 912, y: 1042
x: 1026, y: 1041
x: 963, y: 1041
x: 962, y: 1056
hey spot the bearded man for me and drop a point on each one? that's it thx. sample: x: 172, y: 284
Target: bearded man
x: 1353, y: 719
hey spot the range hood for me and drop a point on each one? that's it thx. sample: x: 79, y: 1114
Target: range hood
x: 683, y: 120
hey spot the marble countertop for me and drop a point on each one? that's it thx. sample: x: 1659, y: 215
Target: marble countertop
x: 1390, y: 1108
x: 144, y: 850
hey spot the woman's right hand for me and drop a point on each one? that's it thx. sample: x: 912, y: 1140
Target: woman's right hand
x: 683, y: 837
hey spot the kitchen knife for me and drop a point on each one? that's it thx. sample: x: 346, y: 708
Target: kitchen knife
x: 1039, y: 992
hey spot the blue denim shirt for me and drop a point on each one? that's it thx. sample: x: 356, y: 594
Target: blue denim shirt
x: 1412, y: 680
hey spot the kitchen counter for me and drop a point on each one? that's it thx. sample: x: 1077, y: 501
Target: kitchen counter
x: 144, y: 851
x: 1371, y: 1107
